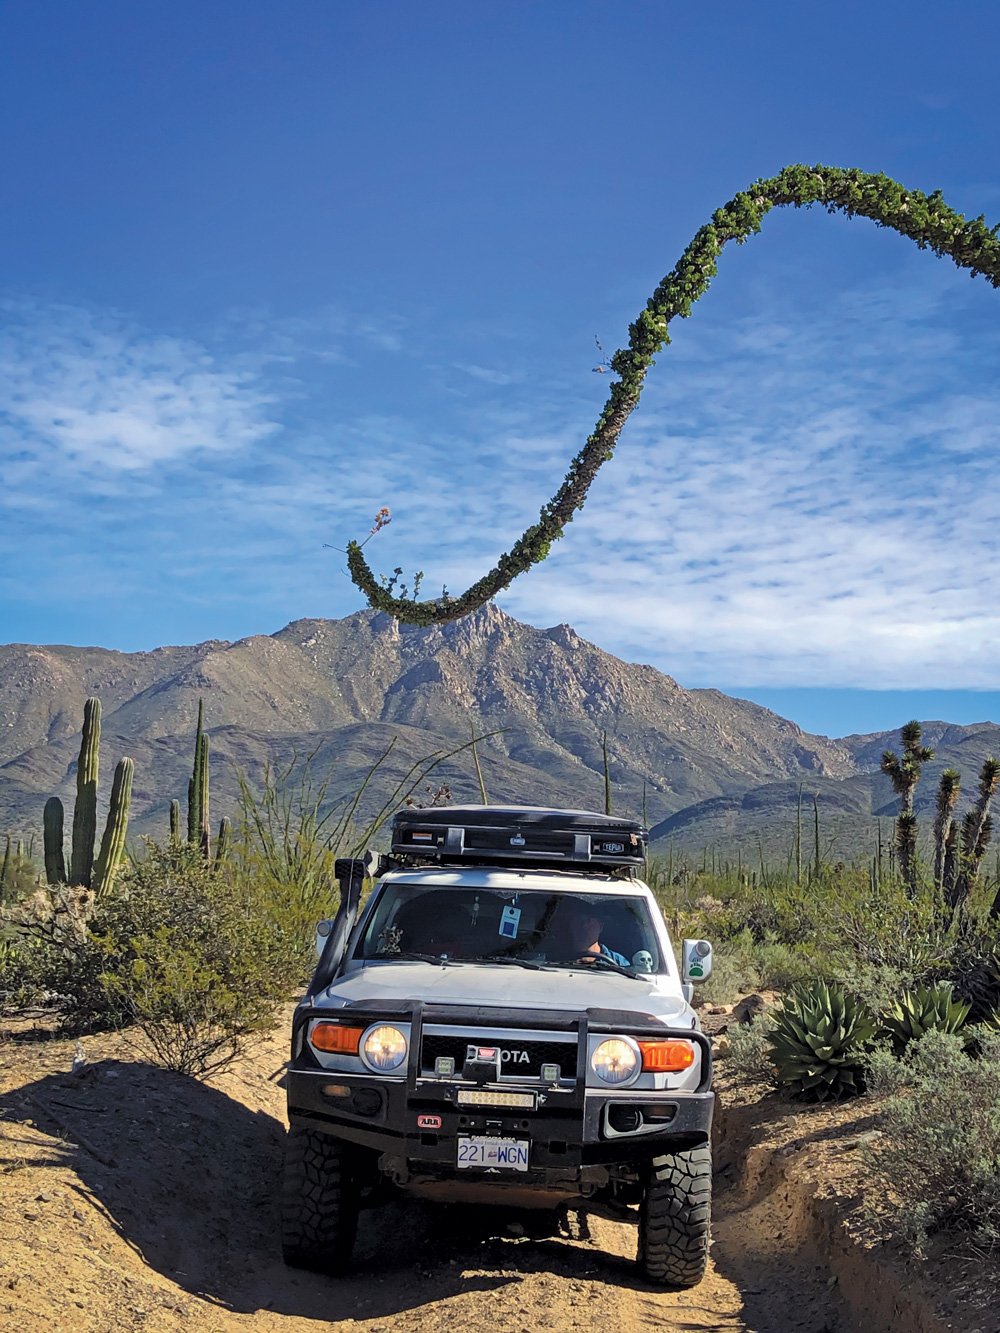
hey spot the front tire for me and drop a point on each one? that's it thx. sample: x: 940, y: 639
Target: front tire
x: 675, y: 1218
x: 319, y: 1207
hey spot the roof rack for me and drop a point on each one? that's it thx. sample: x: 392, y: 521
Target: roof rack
x: 523, y: 834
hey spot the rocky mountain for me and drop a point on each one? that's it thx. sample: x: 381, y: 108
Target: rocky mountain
x: 705, y: 768
x: 854, y: 812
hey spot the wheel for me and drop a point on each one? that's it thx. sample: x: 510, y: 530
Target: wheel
x: 675, y: 1218
x: 319, y: 1206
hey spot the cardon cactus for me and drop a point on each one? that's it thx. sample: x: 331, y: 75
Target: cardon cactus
x: 224, y: 839
x: 113, y: 842
x: 52, y: 828
x: 199, y: 832
x: 924, y: 1009
x: 82, y: 870
x: 85, y: 810
x: 818, y: 1041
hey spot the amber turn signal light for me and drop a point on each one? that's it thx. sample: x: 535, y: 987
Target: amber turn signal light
x: 336, y: 1038
x: 666, y: 1057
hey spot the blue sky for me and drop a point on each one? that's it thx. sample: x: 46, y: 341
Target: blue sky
x: 266, y: 268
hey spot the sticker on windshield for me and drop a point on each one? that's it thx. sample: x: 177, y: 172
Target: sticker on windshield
x: 510, y: 919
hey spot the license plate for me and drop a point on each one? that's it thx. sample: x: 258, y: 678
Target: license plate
x: 488, y: 1153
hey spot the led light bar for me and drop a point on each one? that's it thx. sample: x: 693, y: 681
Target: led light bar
x: 522, y: 1101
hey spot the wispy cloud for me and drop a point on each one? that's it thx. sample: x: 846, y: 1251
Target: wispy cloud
x: 87, y: 397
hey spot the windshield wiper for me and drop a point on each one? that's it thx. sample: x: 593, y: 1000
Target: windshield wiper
x: 410, y: 958
x: 517, y: 962
x: 599, y: 960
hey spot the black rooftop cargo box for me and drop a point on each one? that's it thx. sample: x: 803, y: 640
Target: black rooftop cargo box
x: 530, y: 835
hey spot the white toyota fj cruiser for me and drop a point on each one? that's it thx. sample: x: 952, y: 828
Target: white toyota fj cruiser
x: 504, y: 1022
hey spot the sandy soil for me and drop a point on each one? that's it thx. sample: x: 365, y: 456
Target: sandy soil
x: 133, y: 1198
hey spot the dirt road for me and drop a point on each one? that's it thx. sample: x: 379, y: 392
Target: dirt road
x: 133, y: 1198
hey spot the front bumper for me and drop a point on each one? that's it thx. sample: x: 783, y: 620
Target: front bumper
x: 414, y: 1121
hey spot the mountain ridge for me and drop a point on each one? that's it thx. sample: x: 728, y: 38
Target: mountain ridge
x: 318, y: 684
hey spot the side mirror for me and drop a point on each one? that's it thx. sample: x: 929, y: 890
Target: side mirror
x: 323, y: 929
x: 696, y: 964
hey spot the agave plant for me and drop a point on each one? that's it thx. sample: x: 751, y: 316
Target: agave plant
x: 924, y: 1009
x: 818, y: 1041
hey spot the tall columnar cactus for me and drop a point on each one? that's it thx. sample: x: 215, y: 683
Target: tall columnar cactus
x: 199, y: 829
x: 85, y: 810
x: 194, y: 782
x: 52, y: 828
x: 204, y: 829
x: 224, y: 839
x: 175, y: 821
x: 82, y: 870
x: 113, y: 843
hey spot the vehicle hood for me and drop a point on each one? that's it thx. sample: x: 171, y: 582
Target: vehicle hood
x: 512, y: 987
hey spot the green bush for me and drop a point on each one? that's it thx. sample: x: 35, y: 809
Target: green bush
x: 938, y: 1150
x: 19, y: 875
x: 750, y: 1053
x: 781, y: 966
x: 22, y: 972
x: 194, y: 957
x: 733, y: 974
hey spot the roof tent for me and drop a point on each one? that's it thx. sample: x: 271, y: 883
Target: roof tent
x: 531, y: 835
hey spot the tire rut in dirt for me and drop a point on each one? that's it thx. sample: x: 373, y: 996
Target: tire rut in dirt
x: 675, y: 1218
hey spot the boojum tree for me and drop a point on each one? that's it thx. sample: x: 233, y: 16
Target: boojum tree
x: 925, y: 218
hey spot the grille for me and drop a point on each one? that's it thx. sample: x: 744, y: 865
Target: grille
x: 561, y: 1053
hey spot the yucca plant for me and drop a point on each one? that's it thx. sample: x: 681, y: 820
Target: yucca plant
x: 923, y: 1009
x: 818, y: 1041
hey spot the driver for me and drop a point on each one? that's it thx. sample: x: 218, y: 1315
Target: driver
x: 577, y: 929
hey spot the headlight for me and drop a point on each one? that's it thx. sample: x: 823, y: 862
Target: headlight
x: 383, y: 1048
x: 615, y: 1061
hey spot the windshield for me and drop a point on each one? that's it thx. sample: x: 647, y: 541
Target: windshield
x: 504, y: 925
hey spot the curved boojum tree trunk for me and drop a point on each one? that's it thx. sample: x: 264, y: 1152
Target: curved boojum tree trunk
x: 925, y: 219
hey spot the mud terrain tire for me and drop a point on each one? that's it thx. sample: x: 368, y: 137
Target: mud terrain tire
x: 319, y: 1206
x: 675, y: 1218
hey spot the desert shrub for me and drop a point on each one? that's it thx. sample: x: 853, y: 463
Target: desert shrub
x: 19, y: 875
x: 740, y: 964
x: 879, y: 926
x: 194, y: 957
x: 749, y: 1052
x: 22, y: 972
x: 733, y: 974
x: 938, y: 1152
x: 781, y: 966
